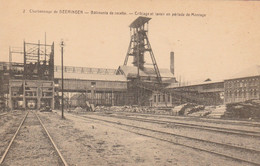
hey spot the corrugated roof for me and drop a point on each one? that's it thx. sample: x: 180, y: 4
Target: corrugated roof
x: 131, y: 71
x: 249, y: 72
x: 84, y: 76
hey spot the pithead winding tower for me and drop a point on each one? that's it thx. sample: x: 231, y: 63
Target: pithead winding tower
x: 140, y: 45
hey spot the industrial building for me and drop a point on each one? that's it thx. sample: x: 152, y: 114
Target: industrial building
x: 206, y: 93
x: 243, y: 86
x: 36, y: 81
x: 30, y: 83
x: 99, y: 86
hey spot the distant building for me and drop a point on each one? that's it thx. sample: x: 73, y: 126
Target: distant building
x: 147, y: 74
x: 243, y: 86
x: 101, y: 86
x: 206, y: 93
x: 118, y: 87
x: 146, y: 93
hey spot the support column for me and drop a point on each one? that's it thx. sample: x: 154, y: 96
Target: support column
x: 10, y: 104
x: 52, y: 100
x: 157, y: 99
x: 24, y: 104
x: 112, y: 97
x: 39, y: 94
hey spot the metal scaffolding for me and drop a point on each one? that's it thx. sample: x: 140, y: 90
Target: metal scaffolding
x: 31, y: 80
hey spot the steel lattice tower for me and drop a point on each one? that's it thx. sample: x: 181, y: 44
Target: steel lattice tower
x: 139, y: 45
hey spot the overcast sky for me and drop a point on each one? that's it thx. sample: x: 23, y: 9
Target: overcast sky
x: 217, y: 46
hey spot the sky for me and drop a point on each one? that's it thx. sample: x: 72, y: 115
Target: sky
x: 220, y: 41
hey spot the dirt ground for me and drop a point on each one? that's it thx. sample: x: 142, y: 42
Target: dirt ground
x: 31, y: 146
x: 88, y: 142
x: 247, y: 142
x: 8, y: 125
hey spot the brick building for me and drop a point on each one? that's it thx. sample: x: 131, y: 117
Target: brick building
x: 243, y: 86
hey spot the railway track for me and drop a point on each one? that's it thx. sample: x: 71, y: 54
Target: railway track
x: 240, y: 154
x: 193, y: 119
x: 238, y: 132
x: 27, y: 130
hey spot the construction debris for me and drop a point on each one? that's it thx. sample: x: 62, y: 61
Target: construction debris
x: 245, y: 110
x: 187, y: 109
x: 78, y: 110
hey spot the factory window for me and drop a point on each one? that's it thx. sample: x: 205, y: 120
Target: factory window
x: 14, y: 94
x: 93, y: 83
x: 251, y: 92
x: 159, y: 98
x: 154, y: 98
x: 163, y: 98
x: 230, y: 84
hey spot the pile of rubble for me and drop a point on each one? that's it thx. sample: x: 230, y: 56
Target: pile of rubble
x: 190, y: 109
x: 78, y: 110
x: 134, y: 109
x: 187, y: 109
x: 248, y: 109
x: 217, y: 112
x: 245, y: 110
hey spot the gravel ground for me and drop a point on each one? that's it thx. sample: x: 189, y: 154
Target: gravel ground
x: 221, y: 138
x: 88, y: 142
x: 197, y: 121
x: 8, y: 125
x: 231, y: 139
x: 31, y: 146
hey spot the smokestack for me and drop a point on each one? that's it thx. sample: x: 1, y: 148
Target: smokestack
x: 172, y: 62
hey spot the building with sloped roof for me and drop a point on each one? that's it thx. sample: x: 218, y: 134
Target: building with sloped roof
x: 147, y: 74
x: 146, y: 93
x: 100, y: 86
x: 206, y: 92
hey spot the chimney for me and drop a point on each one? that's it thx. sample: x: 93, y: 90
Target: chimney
x: 172, y: 62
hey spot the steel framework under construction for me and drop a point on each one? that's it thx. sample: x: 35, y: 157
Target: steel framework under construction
x: 31, y: 82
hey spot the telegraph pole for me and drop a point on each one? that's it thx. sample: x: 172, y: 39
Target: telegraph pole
x: 62, y: 100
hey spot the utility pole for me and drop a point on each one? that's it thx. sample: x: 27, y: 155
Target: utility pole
x: 62, y: 100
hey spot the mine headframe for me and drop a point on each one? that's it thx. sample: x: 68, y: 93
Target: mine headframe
x: 38, y: 61
x: 139, y: 45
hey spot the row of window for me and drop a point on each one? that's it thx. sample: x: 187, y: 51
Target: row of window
x: 243, y: 83
x: 77, y: 83
x: 241, y: 94
x: 69, y: 69
x: 161, y: 98
x: 240, y: 90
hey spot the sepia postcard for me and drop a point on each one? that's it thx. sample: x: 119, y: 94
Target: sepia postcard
x: 125, y: 83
